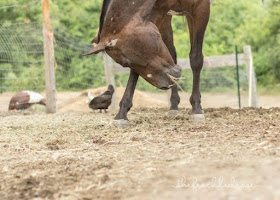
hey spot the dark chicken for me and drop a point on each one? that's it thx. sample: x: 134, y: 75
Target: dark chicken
x: 102, y: 101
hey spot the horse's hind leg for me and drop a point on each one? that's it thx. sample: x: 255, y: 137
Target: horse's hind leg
x: 197, y: 21
x: 167, y: 37
x: 126, y: 102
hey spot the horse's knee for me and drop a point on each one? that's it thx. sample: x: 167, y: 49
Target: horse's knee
x: 196, y: 61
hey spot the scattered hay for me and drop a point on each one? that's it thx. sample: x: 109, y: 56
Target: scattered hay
x: 80, y: 155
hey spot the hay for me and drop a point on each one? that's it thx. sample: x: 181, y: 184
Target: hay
x: 80, y: 155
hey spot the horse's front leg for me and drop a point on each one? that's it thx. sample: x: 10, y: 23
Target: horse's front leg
x: 174, y: 102
x: 197, y: 22
x: 165, y: 29
x: 121, y: 119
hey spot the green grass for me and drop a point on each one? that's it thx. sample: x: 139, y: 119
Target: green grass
x: 269, y: 89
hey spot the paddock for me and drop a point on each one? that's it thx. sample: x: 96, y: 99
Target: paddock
x: 67, y: 151
x: 74, y: 154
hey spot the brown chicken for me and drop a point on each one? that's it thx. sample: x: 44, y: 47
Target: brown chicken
x: 103, y: 101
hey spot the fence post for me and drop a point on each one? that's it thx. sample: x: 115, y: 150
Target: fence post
x: 253, y: 96
x: 49, y: 58
x: 110, y: 78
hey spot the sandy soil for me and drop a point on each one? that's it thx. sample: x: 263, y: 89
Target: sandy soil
x: 75, y: 101
x: 80, y: 155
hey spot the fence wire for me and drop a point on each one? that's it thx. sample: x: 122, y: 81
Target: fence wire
x: 22, y: 60
x: 22, y: 64
x: 21, y: 4
x: 219, y: 80
x: 21, y: 57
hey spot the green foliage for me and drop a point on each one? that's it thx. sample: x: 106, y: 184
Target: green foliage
x: 13, y: 11
x: 263, y: 34
x: 74, y: 71
x: 240, y: 22
x: 79, y: 18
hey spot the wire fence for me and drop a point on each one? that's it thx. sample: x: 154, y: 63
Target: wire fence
x: 222, y: 80
x: 74, y: 71
x: 18, y: 4
x: 22, y: 62
x: 21, y: 57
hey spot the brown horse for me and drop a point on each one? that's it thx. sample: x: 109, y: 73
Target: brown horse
x: 138, y: 34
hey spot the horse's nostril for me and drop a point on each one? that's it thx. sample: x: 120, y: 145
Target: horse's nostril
x: 164, y: 88
x: 176, y: 74
x: 176, y: 71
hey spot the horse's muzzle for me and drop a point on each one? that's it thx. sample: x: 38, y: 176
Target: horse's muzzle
x: 175, y: 72
x: 173, y: 76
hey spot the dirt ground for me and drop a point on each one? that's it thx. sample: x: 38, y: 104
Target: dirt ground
x: 80, y: 155
x: 75, y: 101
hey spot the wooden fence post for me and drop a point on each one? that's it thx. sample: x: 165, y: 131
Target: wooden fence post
x: 49, y: 58
x: 253, y: 96
x: 110, y: 78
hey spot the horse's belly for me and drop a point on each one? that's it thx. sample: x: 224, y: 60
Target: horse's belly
x: 183, y: 6
x: 176, y: 6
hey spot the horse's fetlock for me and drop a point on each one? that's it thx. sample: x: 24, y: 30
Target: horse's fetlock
x: 194, y: 99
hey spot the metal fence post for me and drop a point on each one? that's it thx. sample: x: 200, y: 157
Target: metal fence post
x: 237, y: 77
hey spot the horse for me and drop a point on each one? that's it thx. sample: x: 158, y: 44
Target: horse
x: 138, y: 34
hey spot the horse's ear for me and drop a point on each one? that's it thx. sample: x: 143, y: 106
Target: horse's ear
x: 95, y: 40
x: 95, y: 50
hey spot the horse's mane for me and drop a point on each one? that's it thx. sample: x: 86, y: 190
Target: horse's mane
x: 104, y: 10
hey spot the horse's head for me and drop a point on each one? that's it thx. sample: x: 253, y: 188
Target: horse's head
x: 140, y: 47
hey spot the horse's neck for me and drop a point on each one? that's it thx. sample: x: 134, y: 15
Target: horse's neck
x: 129, y: 8
x: 121, y: 12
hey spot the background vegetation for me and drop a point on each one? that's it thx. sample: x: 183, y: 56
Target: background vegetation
x: 239, y: 22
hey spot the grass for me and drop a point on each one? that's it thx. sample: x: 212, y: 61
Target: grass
x: 269, y: 89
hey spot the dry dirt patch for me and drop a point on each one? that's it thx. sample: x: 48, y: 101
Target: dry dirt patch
x: 80, y: 155
x: 76, y: 101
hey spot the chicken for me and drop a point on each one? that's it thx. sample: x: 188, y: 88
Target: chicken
x: 102, y: 101
x: 25, y: 99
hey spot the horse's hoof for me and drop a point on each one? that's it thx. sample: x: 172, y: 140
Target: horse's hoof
x: 173, y: 113
x: 121, y: 123
x: 197, y: 118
